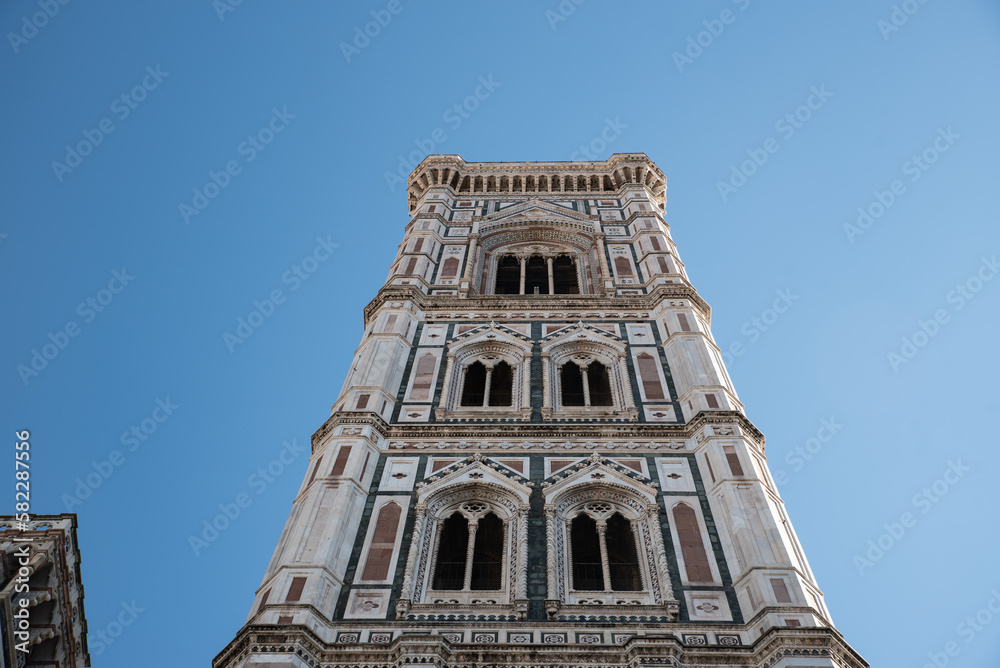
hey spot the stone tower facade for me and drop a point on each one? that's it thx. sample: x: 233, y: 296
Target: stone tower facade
x: 538, y: 457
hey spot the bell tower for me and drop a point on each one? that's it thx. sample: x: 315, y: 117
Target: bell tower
x: 538, y: 457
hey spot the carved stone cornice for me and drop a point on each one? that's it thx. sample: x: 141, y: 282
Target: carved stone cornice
x: 674, y: 647
x: 492, y: 307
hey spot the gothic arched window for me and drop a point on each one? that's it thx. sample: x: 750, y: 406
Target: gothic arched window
x: 501, y: 385
x: 585, y: 547
x: 603, y: 552
x: 588, y: 385
x: 488, y: 385
x: 571, y: 384
x: 459, y: 568
x: 487, y: 556
x: 599, y: 385
x: 383, y: 543
x: 692, y: 546
x: 453, y: 548
x: 536, y: 276
x: 622, y: 559
x: 622, y: 266
x: 564, y: 276
x: 449, y: 269
x: 508, y: 276
x: 474, y: 389
x: 649, y: 376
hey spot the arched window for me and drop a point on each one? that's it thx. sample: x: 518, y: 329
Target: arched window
x: 383, y: 543
x: 488, y: 386
x: 588, y: 574
x: 487, y: 556
x: 622, y: 266
x: 603, y: 554
x: 479, y: 569
x: 599, y: 384
x: 508, y: 276
x: 449, y: 269
x: 501, y: 385
x: 649, y: 376
x: 474, y: 389
x: 423, y: 378
x: 453, y: 547
x: 589, y: 385
x: 564, y: 276
x: 692, y: 546
x: 536, y: 276
x: 571, y: 384
x: 622, y: 559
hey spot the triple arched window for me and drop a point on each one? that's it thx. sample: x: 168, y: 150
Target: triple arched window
x: 524, y: 274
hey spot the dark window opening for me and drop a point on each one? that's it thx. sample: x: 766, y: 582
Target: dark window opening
x: 588, y: 574
x: 571, y: 384
x: 536, y: 275
x: 487, y: 561
x: 501, y: 385
x: 475, y: 385
x: 622, y: 560
x: 449, y: 572
x: 565, y: 276
x: 599, y: 384
x: 623, y: 267
x: 508, y: 276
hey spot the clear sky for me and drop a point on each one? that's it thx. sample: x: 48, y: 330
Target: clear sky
x: 843, y: 105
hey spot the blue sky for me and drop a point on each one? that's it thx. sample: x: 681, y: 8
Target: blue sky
x: 902, y: 125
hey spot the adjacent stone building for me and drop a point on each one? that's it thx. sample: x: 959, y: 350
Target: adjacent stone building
x: 40, y: 564
x: 538, y: 457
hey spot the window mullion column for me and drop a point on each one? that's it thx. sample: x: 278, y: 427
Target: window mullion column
x: 469, y: 552
x: 586, y: 385
x: 552, y: 288
x: 486, y: 388
x: 524, y: 262
x: 602, y: 531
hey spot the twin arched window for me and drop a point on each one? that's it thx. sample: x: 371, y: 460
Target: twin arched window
x: 470, y: 554
x: 585, y: 384
x: 488, y: 386
x: 603, y: 554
